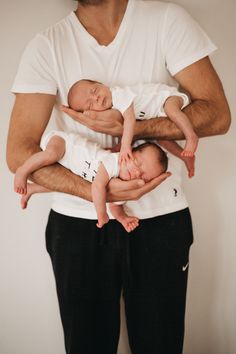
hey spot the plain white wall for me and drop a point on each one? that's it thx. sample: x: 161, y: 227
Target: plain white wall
x: 29, y: 318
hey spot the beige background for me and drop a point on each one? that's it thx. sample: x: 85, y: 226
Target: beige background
x: 29, y: 318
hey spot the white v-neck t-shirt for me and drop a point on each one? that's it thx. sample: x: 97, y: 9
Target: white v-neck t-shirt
x: 155, y: 40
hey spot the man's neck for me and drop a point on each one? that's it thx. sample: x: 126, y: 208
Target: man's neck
x: 103, y: 20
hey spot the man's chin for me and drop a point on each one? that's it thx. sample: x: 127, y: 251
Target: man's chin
x: 91, y: 2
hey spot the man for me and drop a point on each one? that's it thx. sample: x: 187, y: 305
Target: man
x: 117, y: 43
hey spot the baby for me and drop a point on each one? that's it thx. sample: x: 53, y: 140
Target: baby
x: 141, y: 101
x: 88, y: 160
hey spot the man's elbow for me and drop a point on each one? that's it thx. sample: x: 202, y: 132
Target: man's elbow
x: 220, y: 117
x: 224, y: 121
x: 15, y: 157
x: 12, y: 162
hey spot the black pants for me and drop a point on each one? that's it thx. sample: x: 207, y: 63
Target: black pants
x: 92, y: 266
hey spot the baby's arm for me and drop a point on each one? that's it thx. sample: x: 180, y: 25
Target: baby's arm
x: 128, y: 133
x: 175, y: 149
x: 99, y: 187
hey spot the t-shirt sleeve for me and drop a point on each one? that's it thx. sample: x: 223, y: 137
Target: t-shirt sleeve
x: 122, y: 98
x: 184, y: 41
x: 36, y: 69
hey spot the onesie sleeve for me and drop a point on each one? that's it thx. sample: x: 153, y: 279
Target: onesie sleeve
x: 111, y: 164
x: 122, y: 97
x: 184, y: 41
x: 36, y: 69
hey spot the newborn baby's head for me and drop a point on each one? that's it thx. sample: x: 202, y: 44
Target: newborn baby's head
x: 87, y: 95
x: 149, y: 162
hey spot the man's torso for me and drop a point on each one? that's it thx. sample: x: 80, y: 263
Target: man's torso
x: 68, y: 53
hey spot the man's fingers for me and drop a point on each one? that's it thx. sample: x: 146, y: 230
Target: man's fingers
x: 101, y: 122
x: 137, y: 188
x: 73, y: 114
x: 119, y: 186
x: 133, y: 189
x: 68, y: 110
x: 154, y: 182
x: 149, y: 186
x: 161, y: 178
x: 90, y: 119
x: 133, y: 184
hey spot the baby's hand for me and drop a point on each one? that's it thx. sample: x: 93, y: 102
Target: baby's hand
x: 125, y: 155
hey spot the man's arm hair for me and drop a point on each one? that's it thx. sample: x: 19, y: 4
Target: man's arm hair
x: 208, y: 112
x: 30, y: 116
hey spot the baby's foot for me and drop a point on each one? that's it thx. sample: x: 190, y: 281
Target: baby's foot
x: 20, y: 181
x: 130, y: 223
x: 25, y: 198
x: 190, y: 146
x: 102, y: 221
x: 190, y: 164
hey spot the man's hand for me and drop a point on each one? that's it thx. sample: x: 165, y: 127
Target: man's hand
x: 108, y: 122
x: 132, y: 190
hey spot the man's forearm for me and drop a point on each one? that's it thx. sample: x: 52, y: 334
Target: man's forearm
x: 59, y: 179
x: 55, y: 177
x: 206, y: 118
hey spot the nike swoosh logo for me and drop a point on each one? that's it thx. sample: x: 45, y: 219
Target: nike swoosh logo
x: 185, y: 267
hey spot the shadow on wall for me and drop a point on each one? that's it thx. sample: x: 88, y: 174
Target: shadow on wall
x: 206, y: 294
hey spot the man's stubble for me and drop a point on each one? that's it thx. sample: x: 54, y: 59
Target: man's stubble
x: 92, y: 2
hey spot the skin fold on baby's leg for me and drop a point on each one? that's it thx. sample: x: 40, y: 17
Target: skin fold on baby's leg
x: 98, y: 189
x: 172, y: 109
x: 53, y: 152
x: 129, y: 222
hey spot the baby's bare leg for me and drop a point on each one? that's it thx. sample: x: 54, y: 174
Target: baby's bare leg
x: 54, y: 151
x: 175, y: 149
x: 172, y: 108
x: 129, y: 222
x: 99, y: 187
x: 32, y: 188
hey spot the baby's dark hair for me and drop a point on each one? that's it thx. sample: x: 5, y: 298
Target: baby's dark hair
x: 72, y: 88
x: 161, y: 155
